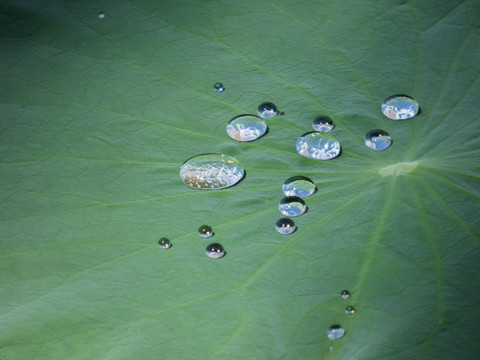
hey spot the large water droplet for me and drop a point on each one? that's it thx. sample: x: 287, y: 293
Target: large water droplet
x: 164, y: 243
x: 335, y: 332
x: 205, y: 231
x: 350, y: 310
x: 378, y: 140
x: 215, y: 251
x: 323, y: 124
x: 292, y: 206
x: 300, y: 186
x: 285, y: 226
x: 218, y: 87
x: 400, y: 107
x: 267, y: 110
x: 211, y: 171
x: 318, y: 146
x: 246, y: 128
x: 345, y: 294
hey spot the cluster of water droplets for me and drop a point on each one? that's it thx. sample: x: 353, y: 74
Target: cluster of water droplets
x: 336, y: 331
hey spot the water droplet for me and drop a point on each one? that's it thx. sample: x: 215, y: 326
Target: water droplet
x: 215, y: 251
x: 267, y: 110
x: 285, y: 226
x: 345, y: 294
x: 318, y: 146
x: 350, y: 310
x: 246, y: 128
x: 335, y: 332
x: 323, y: 124
x: 300, y: 186
x: 101, y: 15
x: 400, y: 107
x: 292, y: 206
x: 211, y: 171
x: 378, y: 140
x: 164, y: 243
x: 205, y: 231
x: 218, y: 87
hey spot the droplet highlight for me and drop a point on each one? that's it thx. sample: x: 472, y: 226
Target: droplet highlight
x: 292, y: 206
x: 350, y: 310
x: 218, y: 87
x: 285, y: 226
x: 345, y: 294
x: 323, y: 124
x: 300, y: 186
x: 101, y: 15
x: 378, y: 140
x: 205, y: 231
x: 335, y: 332
x: 246, y: 128
x: 400, y: 107
x: 164, y: 243
x: 267, y: 110
x: 211, y: 172
x: 318, y: 146
x: 215, y: 251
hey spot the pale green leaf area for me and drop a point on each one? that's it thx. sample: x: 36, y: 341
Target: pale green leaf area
x: 98, y: 115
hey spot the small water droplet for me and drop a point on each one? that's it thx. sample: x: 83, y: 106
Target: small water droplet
x: 285, y: 226
x: 164, y: 243
x: 400, y: 107
x: 101, y: 15
x: 218, y: 87
x: 246, y: 128
x: 215, y: 251
x: 300, y: 186
x: 323, y: 124
x: 267, y: 110
x: 350, y: 310
x: 345, y: 294
x: 205, y: 231
x: 292, y: 206
x: 211, y: 171
x: 378, y: 140
x: 318, y: 146
x: 335, y: 332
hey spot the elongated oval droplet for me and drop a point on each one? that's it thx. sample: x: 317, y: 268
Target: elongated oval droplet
x: 318, y: 146
x: 378, y: 140
x: 300, y: 186
x: 285, y: 226
x: 164, y: 243
x: 292, y: 206
x: 400, y: 107
x: 267, y: 110
x: 335, y: 332
x: 211, y: 171
x: 246, y: 128
x: 215, y: 251
x: 323, y: 124
x: 205, y: 231
x: 350, y: 310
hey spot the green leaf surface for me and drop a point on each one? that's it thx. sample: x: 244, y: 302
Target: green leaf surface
x: 98, y: 114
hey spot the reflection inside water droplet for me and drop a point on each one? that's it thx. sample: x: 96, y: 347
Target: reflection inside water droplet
x: 218, y: 87
x: 318, y: 146
x: 246, y: 128
x: 400, y: 107
x: 215, y: 251
x: 267, y: 110
x: 205, y: 231
x: 378, y: 140
x: 345, y: 294
x: 292, y: 206
x: 323, y: 124
x: 285, y: 226
x: 300, y: 186
x: 335, y: 332
x: 164, y: 243
x: 350, y: 310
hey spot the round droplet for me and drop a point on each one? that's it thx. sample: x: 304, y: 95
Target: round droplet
x: 335, y: 332
x: 205, y: 231
x: 318, y: 146
x: 218, y: 87
x: 164, y: 243
x: 101, y: 15
x: 400, y: 107
x: 267, y: 110
x: 246, y: 128
x: 300, y: 186
x: 345, y: 294
x: 211, y: 171
x: 323, y: 124
x: 215, y: 251
x: 350, y: 310
x: 285, y: 226
x: 378, y: 140
x: 292, y: 206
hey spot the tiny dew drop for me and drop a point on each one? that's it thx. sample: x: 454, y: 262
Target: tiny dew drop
x: 205, y: 231
x: 350, y: 310
x: 267, y: 110
x: 218, y: 87
x: 400, y: 107
x: 300, y: 186
x: 345, y: 294
x: 101, y: 15
x: 215, y: 251
x: 323, y: 124
x: 292, y: 206
x: 285, y: 226
x: 378, y: 140
x: 335, y: 332
x: 164, y: 243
